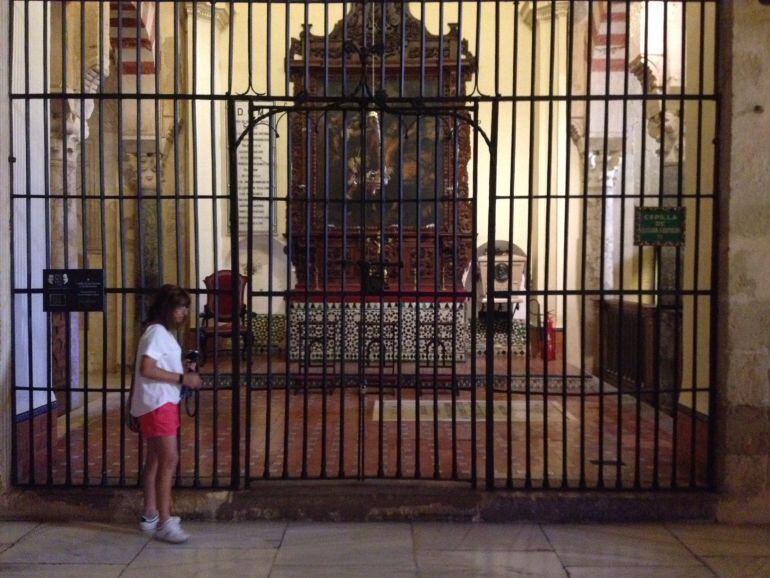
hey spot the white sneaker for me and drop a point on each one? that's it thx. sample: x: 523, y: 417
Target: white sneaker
x: 149, y: 526
x: 171, y: 531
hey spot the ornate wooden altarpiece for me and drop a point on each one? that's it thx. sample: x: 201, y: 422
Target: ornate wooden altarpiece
x: 370, y: 137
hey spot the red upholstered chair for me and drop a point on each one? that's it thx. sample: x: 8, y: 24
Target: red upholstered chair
x: 217, y: 316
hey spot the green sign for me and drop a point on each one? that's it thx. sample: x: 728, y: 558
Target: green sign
x: 659, y: 226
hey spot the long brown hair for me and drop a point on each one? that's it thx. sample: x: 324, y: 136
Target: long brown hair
x: 168, y: 298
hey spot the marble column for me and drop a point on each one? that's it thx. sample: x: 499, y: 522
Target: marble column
x: 69, y: 129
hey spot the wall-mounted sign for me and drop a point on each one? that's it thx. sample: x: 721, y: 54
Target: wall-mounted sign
x: 659, y: 226
x: 73, y: 290
x: 262, y: 151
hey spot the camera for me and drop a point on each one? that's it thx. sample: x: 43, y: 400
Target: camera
x: 192, y: 357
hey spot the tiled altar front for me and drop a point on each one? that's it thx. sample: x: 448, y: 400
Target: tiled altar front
x: 324, y: 332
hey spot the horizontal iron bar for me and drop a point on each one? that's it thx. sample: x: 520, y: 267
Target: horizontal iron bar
x: 319, y: 201
x: 301, y: 293
x: 457, y: 104
x: 339, y: 2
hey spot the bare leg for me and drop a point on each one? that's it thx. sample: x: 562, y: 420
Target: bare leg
x: 150, y: 477
x: 167, y: 461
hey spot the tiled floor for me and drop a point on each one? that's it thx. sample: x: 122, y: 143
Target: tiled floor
x: 308, y: 433
x: 388, y: 549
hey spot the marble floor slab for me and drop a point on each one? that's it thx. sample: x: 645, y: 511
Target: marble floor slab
x: 374, y: 550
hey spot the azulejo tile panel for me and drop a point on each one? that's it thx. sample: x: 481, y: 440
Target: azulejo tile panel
x: 406, y: 330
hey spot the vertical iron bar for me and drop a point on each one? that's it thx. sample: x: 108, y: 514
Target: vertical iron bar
x: 659, y: 307
x: 565, y: 275
x: 418, y: 292
x: 235, y: 286
x: 28, y: 246
x: 531, y: 195
x: 622, y: 260
x: 308, y: 214
x: 381, y: 267
x: 475, y: 379
x: 346, y: 263
x: 490, y: 272
x: 696, y: 258
x: 158, y: 152
x: 271, y: 207
x: 289, y: 249
x: 268, y: 58
x: 197, y: 229
x: 234, y: 278
x: 65, y: 245
x: 719, y: 17
x: 436, y: 286
x: 47, y: 211
x: 511, y: 214
x: 584, y: 249
x: 84, y: 236
x: 233, y: 151
x: 450, y: 91
x: 678, y: 302
x: 12, y: 234
x: 602, y: 243
x: 640, y: 266
x: 399, y: 331
x: 103, y: 236
x: 325, y: 241
x: 123, y: 273
x: 547, y: 261
x: 325, y: 281
x: 309, y: 218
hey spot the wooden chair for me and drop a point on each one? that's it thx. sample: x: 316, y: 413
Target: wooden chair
x: 217, y: 315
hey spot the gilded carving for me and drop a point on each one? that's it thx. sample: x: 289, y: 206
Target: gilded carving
x: 378, y: 175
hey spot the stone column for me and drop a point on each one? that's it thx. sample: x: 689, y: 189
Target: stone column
x: 140, y: 170
x: 65, y: 227
x: 604, y: 159
x: 743, y: 381
x: 68, y: 133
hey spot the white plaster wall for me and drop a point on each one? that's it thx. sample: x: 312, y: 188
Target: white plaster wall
x: 5, y: 264
x: 29, y: 234
x: 205, y: 125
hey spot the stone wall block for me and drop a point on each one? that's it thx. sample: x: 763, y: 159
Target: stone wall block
x: 747, y: 430
x: 749, y: 379
x: 744, y: 475
x: 749, y: 325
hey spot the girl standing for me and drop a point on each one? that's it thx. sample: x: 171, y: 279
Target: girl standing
x: 154, y: 400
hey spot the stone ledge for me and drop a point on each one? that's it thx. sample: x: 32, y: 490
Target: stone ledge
x: 366, y: 501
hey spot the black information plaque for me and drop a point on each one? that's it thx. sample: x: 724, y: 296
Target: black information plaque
x: 73, y: 290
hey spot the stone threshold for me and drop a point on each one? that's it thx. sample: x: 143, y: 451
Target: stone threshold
x: 372, y: 500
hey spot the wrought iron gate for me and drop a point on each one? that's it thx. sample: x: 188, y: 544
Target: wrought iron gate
x: 436, y: 240
x: 377, y: 320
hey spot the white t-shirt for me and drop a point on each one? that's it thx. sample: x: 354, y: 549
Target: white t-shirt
x: 158, y: 343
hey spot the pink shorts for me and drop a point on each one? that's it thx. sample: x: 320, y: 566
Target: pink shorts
x: 160, y: 422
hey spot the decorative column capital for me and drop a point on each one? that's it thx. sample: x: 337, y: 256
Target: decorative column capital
x: 207, y: 11
x: 599, y: 173
x: 141, y: 170
x: 544, y: 11
x: 663, y: 126
x: 646, y: 72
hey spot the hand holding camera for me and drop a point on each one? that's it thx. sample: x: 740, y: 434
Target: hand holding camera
x: 191, y: 379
